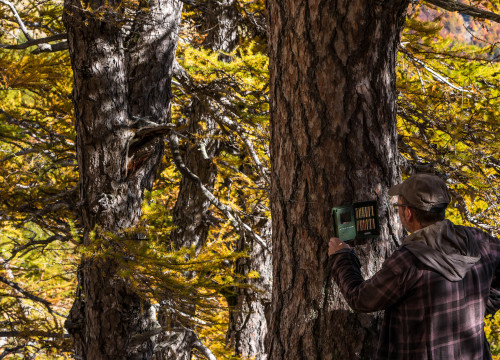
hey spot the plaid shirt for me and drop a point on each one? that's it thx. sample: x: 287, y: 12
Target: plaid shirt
x: 426, y: 316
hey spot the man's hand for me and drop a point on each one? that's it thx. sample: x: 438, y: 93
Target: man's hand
x: 335, y: 245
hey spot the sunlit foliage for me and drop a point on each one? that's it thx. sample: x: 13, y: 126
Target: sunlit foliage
x: 448, y: 123
x: 449, y: 118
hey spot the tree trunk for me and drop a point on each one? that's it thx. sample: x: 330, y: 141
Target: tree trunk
x: 221, y: 23
x: 122, y: 66
x: 333, y: 142
x: 249, y: 313
x: 190, y: 212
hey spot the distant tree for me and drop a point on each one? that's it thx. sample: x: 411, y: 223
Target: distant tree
x: 218, y: 149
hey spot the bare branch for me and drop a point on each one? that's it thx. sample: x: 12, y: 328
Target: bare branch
x: 33, y: 42
x: 151, y: 130
x: 464, y: 210
x: 198, y: 345
x: 43, y: 48
x: 189, y: 337
x: 437, y: 76
x: 18, y: 19
x: 228, y: 212
x: 456, y: 6
x: 42, y: 43
x: 9, y: 351
x: 29, y: 295
x: 36, y: 333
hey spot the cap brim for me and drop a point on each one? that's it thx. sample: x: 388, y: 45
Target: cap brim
x: 395, y: 190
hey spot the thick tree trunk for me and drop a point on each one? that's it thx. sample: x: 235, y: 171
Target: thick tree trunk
x: 333, y: 142
x: 122, y: 71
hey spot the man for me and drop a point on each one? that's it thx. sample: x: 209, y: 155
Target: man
x: 435, y: 289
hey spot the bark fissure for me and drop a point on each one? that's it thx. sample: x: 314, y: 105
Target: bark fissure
x: 333, y: 142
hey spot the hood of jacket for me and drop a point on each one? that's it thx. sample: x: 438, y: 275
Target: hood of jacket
x: 448, y: 249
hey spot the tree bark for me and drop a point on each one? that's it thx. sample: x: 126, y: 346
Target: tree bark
x: 222, y: 22
x: 333, y: 142
x: 122, y: 65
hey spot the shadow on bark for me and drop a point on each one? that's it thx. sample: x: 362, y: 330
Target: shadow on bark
x: 354, y: 335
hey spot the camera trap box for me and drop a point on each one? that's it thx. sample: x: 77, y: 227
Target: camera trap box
x: 357, y: 221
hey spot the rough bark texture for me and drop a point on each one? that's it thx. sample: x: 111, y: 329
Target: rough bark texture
x: 333, y: 142
x: 122, y: 72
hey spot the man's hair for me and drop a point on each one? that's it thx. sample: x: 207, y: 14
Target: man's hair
x: 426, y: 218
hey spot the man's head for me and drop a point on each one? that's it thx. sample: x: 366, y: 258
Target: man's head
x: 422, y: 200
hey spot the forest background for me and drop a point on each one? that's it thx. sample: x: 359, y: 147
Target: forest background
x: 202, y: 247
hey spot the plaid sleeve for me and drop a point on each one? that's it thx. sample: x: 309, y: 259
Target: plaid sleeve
x: 383, y: 290
x: 493, y: 303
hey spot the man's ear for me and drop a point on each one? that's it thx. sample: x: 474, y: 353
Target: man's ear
x: 408, y: 213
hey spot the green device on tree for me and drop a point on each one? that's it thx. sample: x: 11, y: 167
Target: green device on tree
x: 357, y: 221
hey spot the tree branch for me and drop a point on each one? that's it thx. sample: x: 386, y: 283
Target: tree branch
x: 228, y: 212
x: 43, y: 43
x: 464, y: 210
x: 151, y: 129
x: 456, y: 6
x: 233, y: 125
x: 9, y: 351
x: 434, y: 73
x: 18, y: 19
x: 191, y: 338
x: 186, y: 81
x: 29, y: 295
x: 61, y: 46
x: 33, y: 42
x: 198, y: 345
x: 32, y: 243
x: 37, y: 333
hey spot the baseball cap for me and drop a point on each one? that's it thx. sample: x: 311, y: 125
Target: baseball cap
x: 423, y: 191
